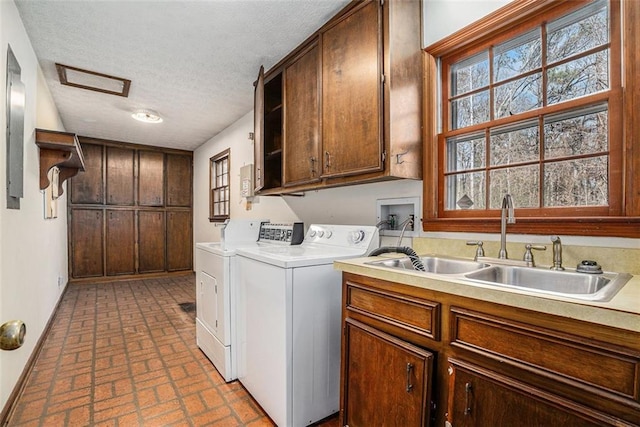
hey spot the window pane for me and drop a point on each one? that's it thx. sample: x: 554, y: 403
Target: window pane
x: 582, y: 182
x: 465, y: 153
x: 515, y: 145
x: 583, y: 134
x: 517, y: 56
x: 470, y: 74
x: 580, y: 77
x: 521, y: 182
x: 470, y: 110
x: 466, y: 191
x: 518, y: 96
x: 578, y: 32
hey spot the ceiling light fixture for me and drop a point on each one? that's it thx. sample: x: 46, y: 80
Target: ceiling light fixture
x: 147, y: 116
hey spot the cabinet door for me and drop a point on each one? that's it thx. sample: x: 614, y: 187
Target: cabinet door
x: 150, y: 178
x: 258, y: 131
x: 352, y: 137
x: 86, y: 187
x: 86, y: 241
x: 179, y: 242
x: 151, y: 241
x: 387, y: 381
x: 178, y: 180
x: 120, y: 242
x: 301, y: 119
x: 120, y: 176
x: 479, y: 397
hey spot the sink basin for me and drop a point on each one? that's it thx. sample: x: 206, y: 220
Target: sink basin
x: 432, y: 264
x: 596, y: 287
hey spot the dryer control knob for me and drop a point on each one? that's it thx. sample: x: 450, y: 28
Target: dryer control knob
x: 320, y: 233
x: 312, y: 233
x: 328, y: 234
x: 356, y: 236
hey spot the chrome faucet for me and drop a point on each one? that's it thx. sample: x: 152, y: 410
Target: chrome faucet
x: 557, y: 253
x: 408, y: 222
x: 507, y: 216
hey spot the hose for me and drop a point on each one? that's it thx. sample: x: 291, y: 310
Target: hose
x: 413, y: 256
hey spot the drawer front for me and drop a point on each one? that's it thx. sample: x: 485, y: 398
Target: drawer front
x: 561, y: 356
x: 416, y: 315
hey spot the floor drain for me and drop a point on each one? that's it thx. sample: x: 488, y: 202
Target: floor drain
x: 188, y: 307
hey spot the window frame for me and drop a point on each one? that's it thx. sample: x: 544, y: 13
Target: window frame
x: 621, y: 217
x: 213, y: 161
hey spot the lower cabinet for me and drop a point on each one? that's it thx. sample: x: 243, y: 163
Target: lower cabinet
x: 120, y: 242
x: 479, y: 397
x: 179, y: 243
x: 387, y: 381
x: 151, y: 241
x: 86, y: 242
x: 415, y: 357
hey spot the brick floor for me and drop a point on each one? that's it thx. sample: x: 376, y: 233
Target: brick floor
x: 123, y: 353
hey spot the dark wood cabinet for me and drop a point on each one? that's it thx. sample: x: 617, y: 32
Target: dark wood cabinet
x: 352, y: 139
x: 355, y: 87
x: 479, y: 397
x: 301, y: 147
x: 86, y: 238
x: 119, y: 176
x: 179, y: 242
x: 120, y: 242
x: 150, y: 178
x: 497, y: 365
x: 151, y: 241
x: 144, y: 224
x: 179, y: 180
x: 387, y: 381
x: 86, y: 187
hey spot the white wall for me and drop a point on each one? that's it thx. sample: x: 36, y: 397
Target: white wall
x: 33, y: 251
x: 442, y: 18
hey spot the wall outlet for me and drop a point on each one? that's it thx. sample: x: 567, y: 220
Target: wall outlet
x: 60, y: 282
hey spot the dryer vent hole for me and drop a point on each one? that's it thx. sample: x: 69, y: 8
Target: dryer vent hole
x: 188, y: 307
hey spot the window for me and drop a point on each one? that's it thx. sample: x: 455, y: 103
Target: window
x: 533, y: 108
x: 219, y: 179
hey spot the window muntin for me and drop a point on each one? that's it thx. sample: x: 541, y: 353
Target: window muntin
x: 523, y: 87
x: 219, y: 206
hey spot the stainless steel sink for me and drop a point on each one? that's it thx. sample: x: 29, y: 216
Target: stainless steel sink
x: 596, y: 287
x: 432, y: 264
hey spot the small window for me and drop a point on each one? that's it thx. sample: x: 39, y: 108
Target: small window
x: 220, y: 194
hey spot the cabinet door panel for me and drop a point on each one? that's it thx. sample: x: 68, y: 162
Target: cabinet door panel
x: 86, y: 240
x: 150, y: 178
x: 479, y: 397
x: 151, y: 241
x: 86, y: 187
x: 387, y: 381
x: 301, y: 119
x: 120, y: 176
x: 178, y: 180
x: 179, y: 242
x: 352, y: 95
x: 120, y: 242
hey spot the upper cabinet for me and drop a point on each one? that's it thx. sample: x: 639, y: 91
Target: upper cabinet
x: 346, y: 106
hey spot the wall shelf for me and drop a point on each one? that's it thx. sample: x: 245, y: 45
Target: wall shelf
x: 60, y: 149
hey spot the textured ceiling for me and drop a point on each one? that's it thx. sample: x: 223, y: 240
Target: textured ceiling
x: 194, y: 62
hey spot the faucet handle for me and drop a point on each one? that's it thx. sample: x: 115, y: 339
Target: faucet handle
x: 479, y: 248
x: 528, y: 255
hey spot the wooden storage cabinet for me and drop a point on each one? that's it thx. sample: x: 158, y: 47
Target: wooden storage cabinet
x: 151, y: 178
x: 301, y: 150
x: 120, y: 242
x: 130, y: 211
x: 396, y: 394
x: 479, y: 397
x: 86, y: 241
x: 352, y: 101
x: 496, y: 365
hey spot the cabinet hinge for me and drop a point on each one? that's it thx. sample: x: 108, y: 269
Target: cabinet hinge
x: 216, y: 323
x: 382, y: 78
x: 381, y: 2
x: 216, y: 291
x: 384, y: 156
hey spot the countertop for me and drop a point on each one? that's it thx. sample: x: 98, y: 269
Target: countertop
x: 622, y: 311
